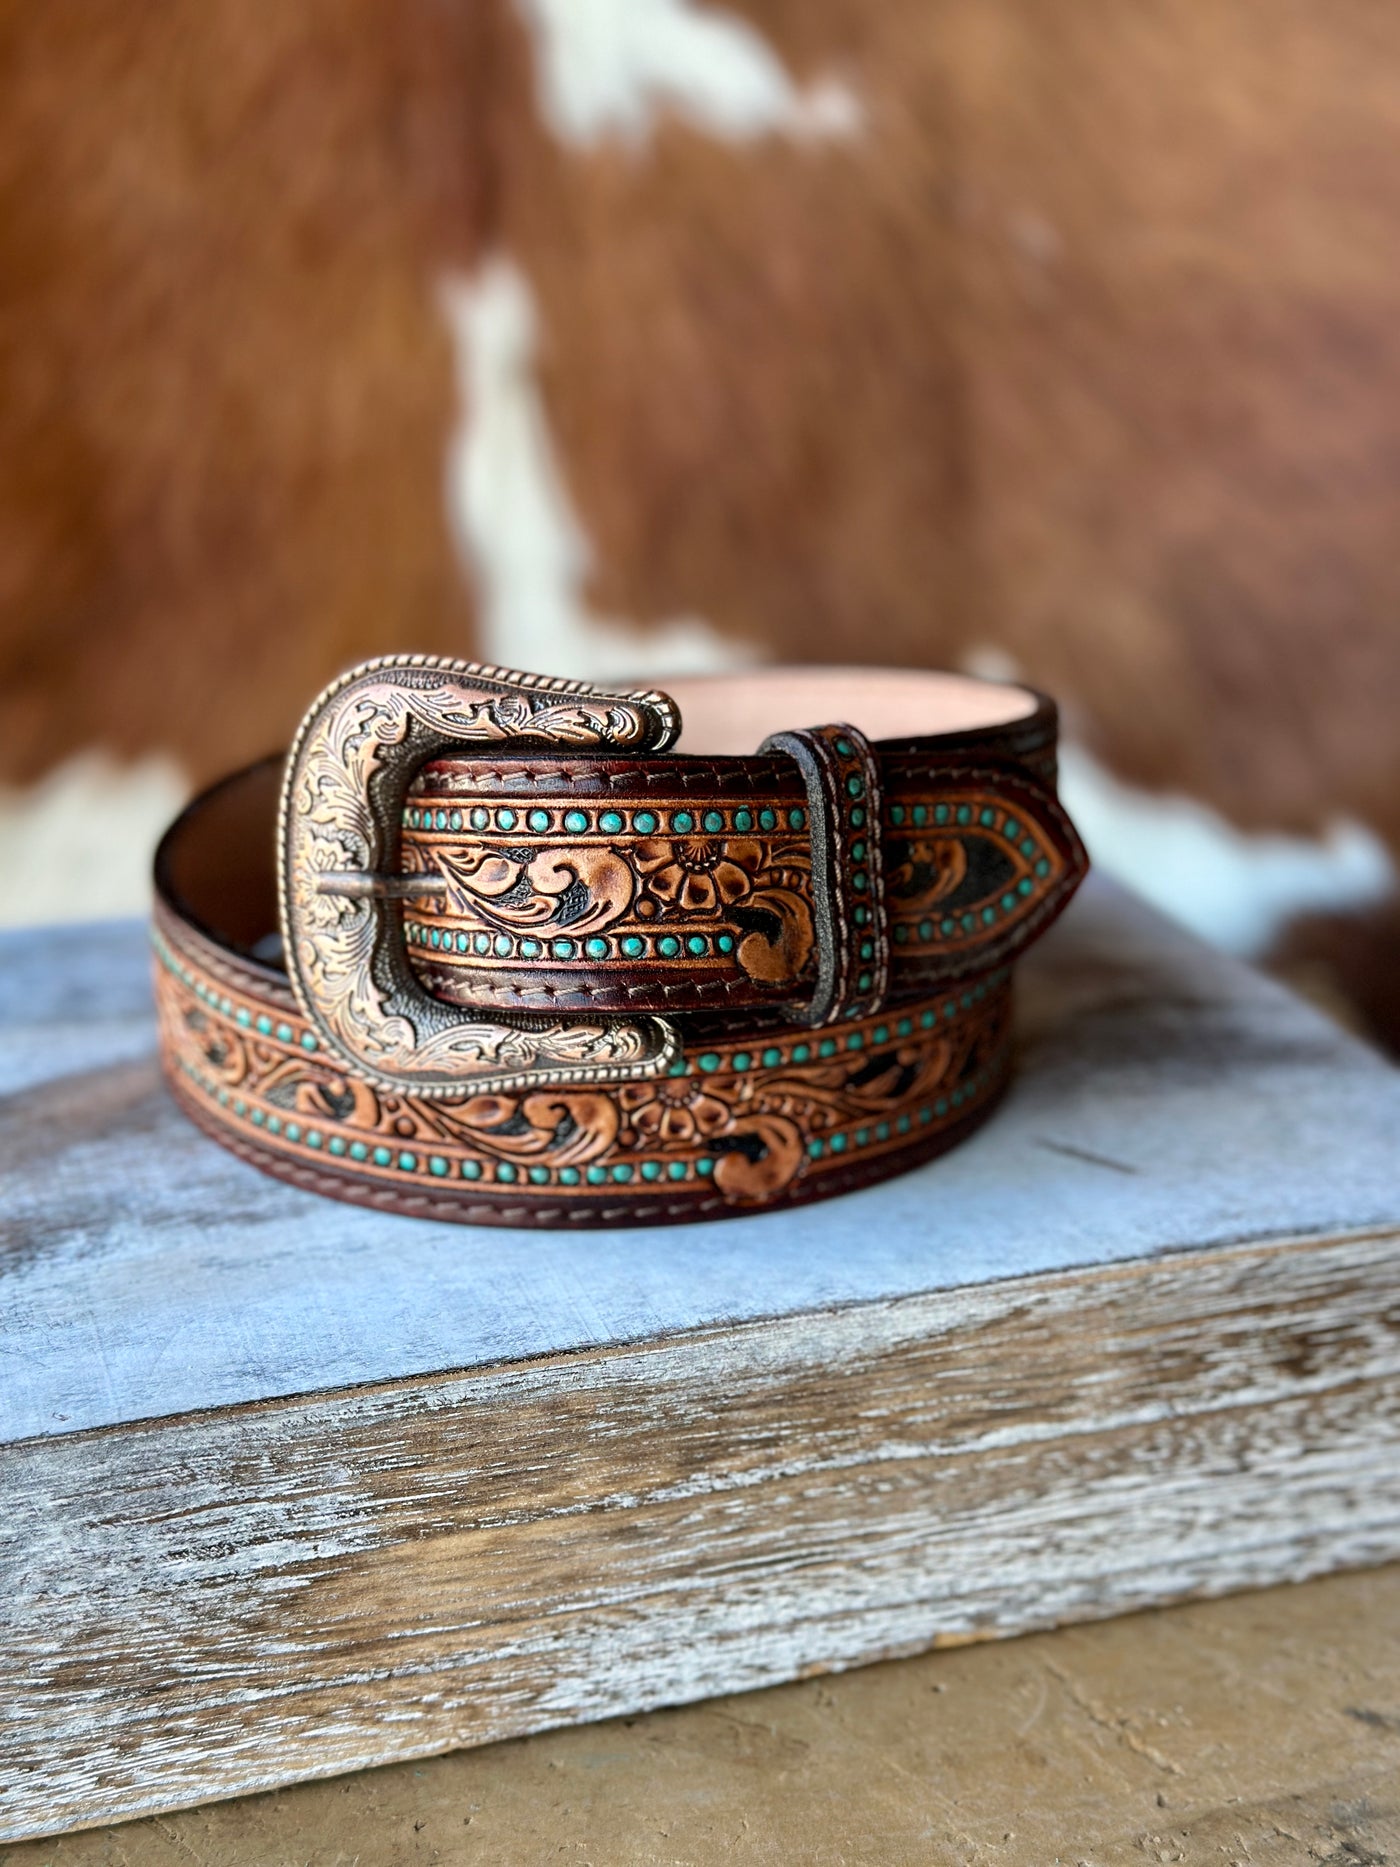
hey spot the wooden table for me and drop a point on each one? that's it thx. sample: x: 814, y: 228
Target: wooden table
x: 288, y: 1487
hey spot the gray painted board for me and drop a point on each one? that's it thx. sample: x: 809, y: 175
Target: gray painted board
x: 1168, y: 1098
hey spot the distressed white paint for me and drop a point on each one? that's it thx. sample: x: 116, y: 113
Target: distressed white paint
x: 1236, y: 888
x: 613, y: 67
x: 1167, y: 1096
x: 78, y: 843
x: 510, y: 507
x: 380, y: 1574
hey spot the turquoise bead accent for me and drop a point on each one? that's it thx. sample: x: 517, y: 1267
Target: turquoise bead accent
x: 437, y: 1165
x: 668, y: 945
x: 855, y: 785
x: 481, y: 818
x: 743, y: 820
x: 682, y: 821
x: 714, y: 821
x: 506, y: 819
x: 709, y: 1063
x: 964, y: 813
x: 644, y: 822
x: 597, y: 1175
x: 336, y: 1144
x: 265, y: 1026
x: 843, y: 746
x: 725, y: 943
x: 308, y: 1040
x: 801, y: 1052
x: 704, y: 1165
x: 740, y: 1060
x: 896, y: 814
x: 358, y: 1151
x: 697, y: 944
x: 539, y: 1176
x: 502, y: 945
x: 568, y: 1176
x: 293, y: 1131
x: 610, y: 821
x: 382, y: 1157
x: 771, y: 1058
x: 632, y: 945
x: 597, y: 947
x: 827, y: 1047
x: 651, y: 1169
x: 530, y: 949
x: 857, y: 816
x: 564, y: 949
x: 538, y: 820
x: 575, y: 821
x: 676, y: 1170
x: 408, y: 1163
x: 767, y: 820
x: 622, y: 1172
x: 482, y: 942
x: 920, y: 815
x: 506, y: 1173
x: 470, y: 1170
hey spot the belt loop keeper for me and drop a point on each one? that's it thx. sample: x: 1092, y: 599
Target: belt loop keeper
x: 842, y: 779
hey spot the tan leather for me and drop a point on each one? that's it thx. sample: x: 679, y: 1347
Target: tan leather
x: 680, y: 884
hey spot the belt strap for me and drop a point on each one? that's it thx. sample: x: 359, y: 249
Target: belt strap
x: 539, y: 963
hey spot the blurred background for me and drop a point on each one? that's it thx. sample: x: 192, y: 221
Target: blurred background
x: 618, y: 337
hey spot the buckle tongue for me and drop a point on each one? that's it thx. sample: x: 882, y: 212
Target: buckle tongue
x: 339, y: 826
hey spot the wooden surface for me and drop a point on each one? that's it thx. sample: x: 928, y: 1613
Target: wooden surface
x: 1168, y: 1099
x: 1139, y: 1340
x: 1262, y: 1731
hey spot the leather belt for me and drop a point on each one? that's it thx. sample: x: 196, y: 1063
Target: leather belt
x: 503, y: 949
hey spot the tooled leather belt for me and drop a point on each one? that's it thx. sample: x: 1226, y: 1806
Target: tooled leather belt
x: 504, y: 949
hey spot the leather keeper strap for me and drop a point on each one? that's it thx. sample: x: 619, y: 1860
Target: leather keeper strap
x: 845, y: 812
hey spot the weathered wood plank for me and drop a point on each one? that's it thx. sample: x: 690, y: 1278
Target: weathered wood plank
x: 380, y: 1574
x: 1168, y: 1099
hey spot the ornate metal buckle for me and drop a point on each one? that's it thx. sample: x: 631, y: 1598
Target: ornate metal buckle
x: 338, y: 837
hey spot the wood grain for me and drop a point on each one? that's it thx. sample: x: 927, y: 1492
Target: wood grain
x: 366, y: 1576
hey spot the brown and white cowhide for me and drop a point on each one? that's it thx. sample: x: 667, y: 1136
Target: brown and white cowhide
x: 602, y: 335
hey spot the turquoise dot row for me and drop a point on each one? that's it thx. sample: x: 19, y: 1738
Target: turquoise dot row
x: 399, y: 1159
x: 964, y: 816
x: 860, y: 876
x: 873, y: 1134
x: 579, y: 822
x: 629, y: 946
x: 225, y: 1006
x: 949, y: 926
x: 805, y: 1050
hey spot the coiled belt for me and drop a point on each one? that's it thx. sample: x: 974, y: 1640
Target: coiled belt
x: 503, y: 949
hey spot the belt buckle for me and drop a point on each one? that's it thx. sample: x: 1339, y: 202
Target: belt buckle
x: 338, y: 840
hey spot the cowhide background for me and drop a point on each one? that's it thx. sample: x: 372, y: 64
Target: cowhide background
x: 613, y: 336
